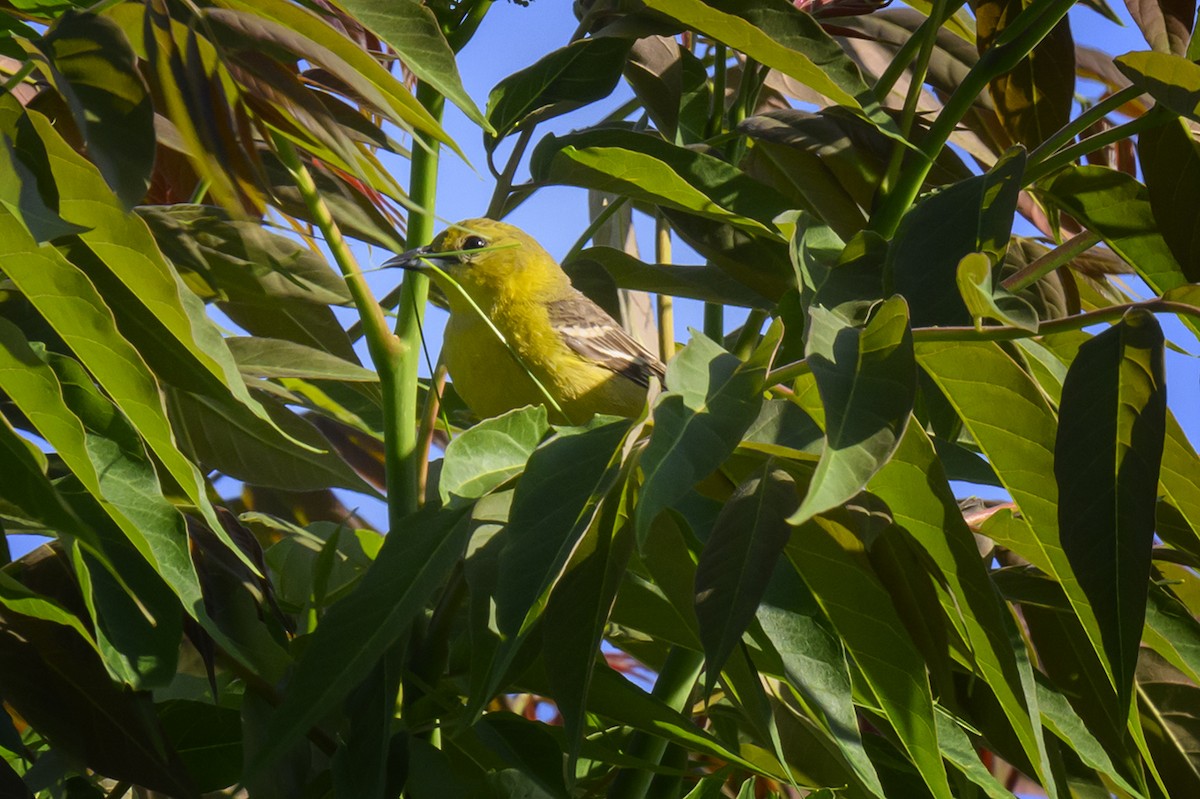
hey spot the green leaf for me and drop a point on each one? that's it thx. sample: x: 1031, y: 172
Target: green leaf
x: 868, y: 381
x: 1172, y: 631
x: 971, y: 216
x: 150, y: 523
x: 833, y: 562
x: 1106, y: 460
x: 491, y: 453
x: 151, y: 303
x: 413, y: 30
x: 616, y: 698
x: 1167, y: 701
x: 1062, y: 720
x: 704, y: 283
x: 1010, y: 418
x: 17, y: 598
x: 26, y: 485
x: 312, y: 38
x: 208, y: 739
x: 1170, y: 159
x: 356, y: 631
x: 776, y: 34
x: 23, y: 167
x: 584, y: 71
x: 1034, y: 98
x: 55, y: 680
x: 575, y: 620
x: 555, y: 502
x: 251, y: 450
x: 94, y: 68
x: 1170, y: 79
x: 272, y: 357
x: 713, y: 399
x: 814, y: 664
x: 737, y: 561
x: 913, y: 484
x: 647, y: 169
x: 1166, y: 24
x: 986, y: 300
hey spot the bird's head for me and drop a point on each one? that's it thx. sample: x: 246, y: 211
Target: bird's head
x: 492, y: 261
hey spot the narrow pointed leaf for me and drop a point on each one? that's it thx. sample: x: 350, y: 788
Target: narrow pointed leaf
x: 775, y: 33
x: 584, y: 71
x: 737, y: 560
x: 914, y: 486
x: 833, y: 562
x: 554, y: 504
x: 1170, y: 159
x: 95, y: 70
x: 359, y: 629
x: 1106, y: 461
x: 1010, y: 418
x: 413, y: 30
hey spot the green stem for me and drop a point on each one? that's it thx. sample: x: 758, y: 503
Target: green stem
x: 595, y: 225
x: 928, y: 33
x: 789, y: 372
x: 505, y: 179
x: 714, y: 321
x: 1050, y: 261
x: 1068, y: 155
x: 400, y: 419
x: 716, y: 113
x: 674, y: 688
x: 381, y: 344
x: 470, y: 22
x: 1035, y: 23
x: 749, y: 335
x: 666, y: 303
x: 908, y: 51
x: 1082, y: 122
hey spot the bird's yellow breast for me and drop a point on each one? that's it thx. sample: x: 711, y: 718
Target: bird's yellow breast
x: 491, y: 380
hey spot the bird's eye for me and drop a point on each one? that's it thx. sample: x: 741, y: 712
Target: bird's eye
x: 473, y: 243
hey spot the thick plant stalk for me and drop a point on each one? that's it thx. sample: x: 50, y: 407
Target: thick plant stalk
x: 1028, y: 29
x: 403, y: 451
x: 666, y: 303
x: 674, y: 687
x: 384, y: 347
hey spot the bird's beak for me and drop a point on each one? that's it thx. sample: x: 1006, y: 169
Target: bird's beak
x: 413, y: 259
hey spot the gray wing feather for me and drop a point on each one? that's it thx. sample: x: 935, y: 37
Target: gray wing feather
x: 595, y: 335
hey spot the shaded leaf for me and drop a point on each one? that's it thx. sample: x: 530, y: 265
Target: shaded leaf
x: 737, y: 560
x: 868, y: 380
x: 645, y: 168
x: 986, y: 300
x: 1166, y: 24
x: 778, y: 35
x: 1170, y: 159
x: 1170, y: 79
x: 413, y: 29
x: 1033, y: 100
x: 705, y: 283
x: 269, y: 357
x: 584, y: 71
x: 95, y: 70
x: 1168, y: 701
x: 356, y: 631
x: 832, y: 560
x: 713, y: 399
x: 1106, y: 462
x: 971, y: 216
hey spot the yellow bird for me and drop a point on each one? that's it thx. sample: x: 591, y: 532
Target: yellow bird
x: 550, y: 330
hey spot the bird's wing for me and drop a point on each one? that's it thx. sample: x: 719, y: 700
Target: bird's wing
x: 595, y: 335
